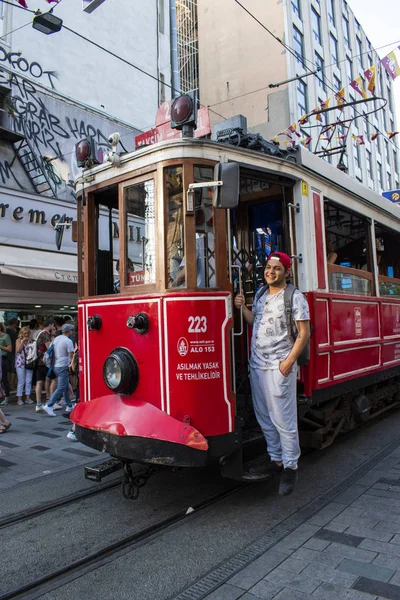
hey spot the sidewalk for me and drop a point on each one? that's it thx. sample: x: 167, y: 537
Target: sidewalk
x: 37, y: 445
x: 348, y: 550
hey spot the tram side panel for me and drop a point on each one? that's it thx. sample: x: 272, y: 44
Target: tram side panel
x: 353, y: 337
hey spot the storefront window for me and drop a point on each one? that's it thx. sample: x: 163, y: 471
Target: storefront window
x: 140, y: 253
x: 175, y: 245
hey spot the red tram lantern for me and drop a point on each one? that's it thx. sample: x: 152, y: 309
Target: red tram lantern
x: 184, y: 113
x: 85, y: 153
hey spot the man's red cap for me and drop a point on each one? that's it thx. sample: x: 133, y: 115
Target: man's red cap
x: 282, y: 257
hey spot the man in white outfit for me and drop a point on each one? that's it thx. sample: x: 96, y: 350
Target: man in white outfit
x: 273, y: 368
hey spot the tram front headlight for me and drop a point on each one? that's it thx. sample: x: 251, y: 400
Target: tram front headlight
x: 121, y: 372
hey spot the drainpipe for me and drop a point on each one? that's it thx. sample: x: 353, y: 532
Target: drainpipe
x: 175, y: 83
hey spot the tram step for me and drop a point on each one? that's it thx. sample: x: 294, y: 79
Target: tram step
x: 98, y: 472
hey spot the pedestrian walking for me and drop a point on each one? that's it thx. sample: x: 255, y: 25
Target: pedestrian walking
x: 6, y: 349
x: 63, y: 353
x: 5, y: 423
x: 273, y: 368
x: 43, y: 341
x: 24, y: 375
x: 12, y: 330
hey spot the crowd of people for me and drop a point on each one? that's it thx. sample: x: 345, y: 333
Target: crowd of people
x: 40, y: 358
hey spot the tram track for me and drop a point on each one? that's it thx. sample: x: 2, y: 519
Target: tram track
x: 30, y: 513
x: 51, y: 581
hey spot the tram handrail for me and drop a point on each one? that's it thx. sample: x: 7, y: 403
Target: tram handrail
x: 241, y: 308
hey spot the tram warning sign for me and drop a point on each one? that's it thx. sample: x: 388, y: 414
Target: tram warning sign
x: 393, y: 196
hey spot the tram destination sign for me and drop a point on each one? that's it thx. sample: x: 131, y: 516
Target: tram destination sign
x: 393, y: 196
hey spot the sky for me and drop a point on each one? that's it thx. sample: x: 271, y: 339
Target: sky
x: 381, y: 23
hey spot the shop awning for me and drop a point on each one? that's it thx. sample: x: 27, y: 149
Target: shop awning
x: 35, y: 264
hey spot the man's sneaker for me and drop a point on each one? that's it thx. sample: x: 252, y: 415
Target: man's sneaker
x: 39, y: 407
x: 262, y: 471
x: 29, y: 401
x: 66, y: 415
x: 288, y: 482
x: 5, y: 403
x: 49, y: 410
x: 20, y: 402
x: 71, y: 436
x: 70, y: 408
x: 58, y: 406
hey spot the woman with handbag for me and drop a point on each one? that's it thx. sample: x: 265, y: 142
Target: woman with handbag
x: 5, y: 348
x: 24, y: 374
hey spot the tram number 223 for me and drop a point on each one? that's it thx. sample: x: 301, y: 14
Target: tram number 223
x: 197, y: 324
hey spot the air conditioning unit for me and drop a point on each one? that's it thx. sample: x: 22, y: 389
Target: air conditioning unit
x: 91, y: 5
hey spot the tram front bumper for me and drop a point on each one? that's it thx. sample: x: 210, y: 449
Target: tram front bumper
x: 136, y: 430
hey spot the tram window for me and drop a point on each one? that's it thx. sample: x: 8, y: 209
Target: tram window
x: 348, y: 245
x: 204, y: 231
x: 106, y: 234
x: 204, y: 219
x: 175, y: 244
x: 140, y: 251
x: 387, y: 243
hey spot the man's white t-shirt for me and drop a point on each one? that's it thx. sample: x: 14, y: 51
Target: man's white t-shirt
x: 270, y: 342
x: 62, y: 346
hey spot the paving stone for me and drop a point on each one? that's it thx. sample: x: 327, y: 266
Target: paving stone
x: 297, y: 538
x: 313, y: 556
x: 388, y: 526
x: 329, y: 574
x: 361, y: 520
x: 250, y: 575
x: 287, y: 594
x: 371, y: 534
x: 351, y: 494
x: 381, y: 486
x: 326, y: 515
x: 315, y: 544
x: 329, y: 591
x: 340, y: 538
x: 6, y: 463
x: 336, y: 550
x: 378, y: 588
x: 293, y: 580
x: 295, y: 565
x: 380, y: 547
x: 383, y: 494
x: 80, y: 452
x: 265, y: 589
x: 225, y: 592
x: 8, y: 445
x: 338, y: 527
x: 373, y: 571
x: 391, y: 562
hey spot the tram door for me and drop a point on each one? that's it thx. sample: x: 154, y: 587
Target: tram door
x: 259, y: 226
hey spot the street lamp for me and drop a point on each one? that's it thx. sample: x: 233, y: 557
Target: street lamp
x: 47, y: 23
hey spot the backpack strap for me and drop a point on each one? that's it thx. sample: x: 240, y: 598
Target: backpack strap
x: 288, y: 299
x: 260, y: 292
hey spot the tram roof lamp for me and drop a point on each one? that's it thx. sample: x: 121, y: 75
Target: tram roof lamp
x: 47, y: 23
x: 184, y: 113
x: 85, y: 153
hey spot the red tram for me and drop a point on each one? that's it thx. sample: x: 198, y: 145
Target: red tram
x: 163, y: 357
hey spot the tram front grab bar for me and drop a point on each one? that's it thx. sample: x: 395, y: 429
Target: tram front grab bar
x: 240, y: 292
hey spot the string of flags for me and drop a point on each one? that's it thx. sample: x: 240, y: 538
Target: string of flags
x: 361, y: 85
x: 24, y: 4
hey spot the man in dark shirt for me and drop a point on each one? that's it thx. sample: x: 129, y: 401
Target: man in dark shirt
x: 43, y: 342
x: 12, y: 330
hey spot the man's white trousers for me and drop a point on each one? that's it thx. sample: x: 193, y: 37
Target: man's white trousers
x: 275, y: 406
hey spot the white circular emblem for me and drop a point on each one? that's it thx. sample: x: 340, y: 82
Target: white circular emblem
x: 183, y: 346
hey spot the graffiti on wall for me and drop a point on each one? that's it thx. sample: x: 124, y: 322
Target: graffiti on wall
x: 51, y: 126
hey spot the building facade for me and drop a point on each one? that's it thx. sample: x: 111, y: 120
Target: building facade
x: 239, y: 60
x: 107, y: 70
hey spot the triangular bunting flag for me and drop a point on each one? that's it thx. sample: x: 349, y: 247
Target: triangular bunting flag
x: 370, y: 76
x: 357, y: 85
x: 391, y: 65
x: 359, y: 139
x: 392, y: 134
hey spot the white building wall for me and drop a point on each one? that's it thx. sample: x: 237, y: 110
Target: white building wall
x: 383, y: 120
x: 134, y: 30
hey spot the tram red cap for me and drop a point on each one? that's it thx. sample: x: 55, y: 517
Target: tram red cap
x: 282, y: 257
